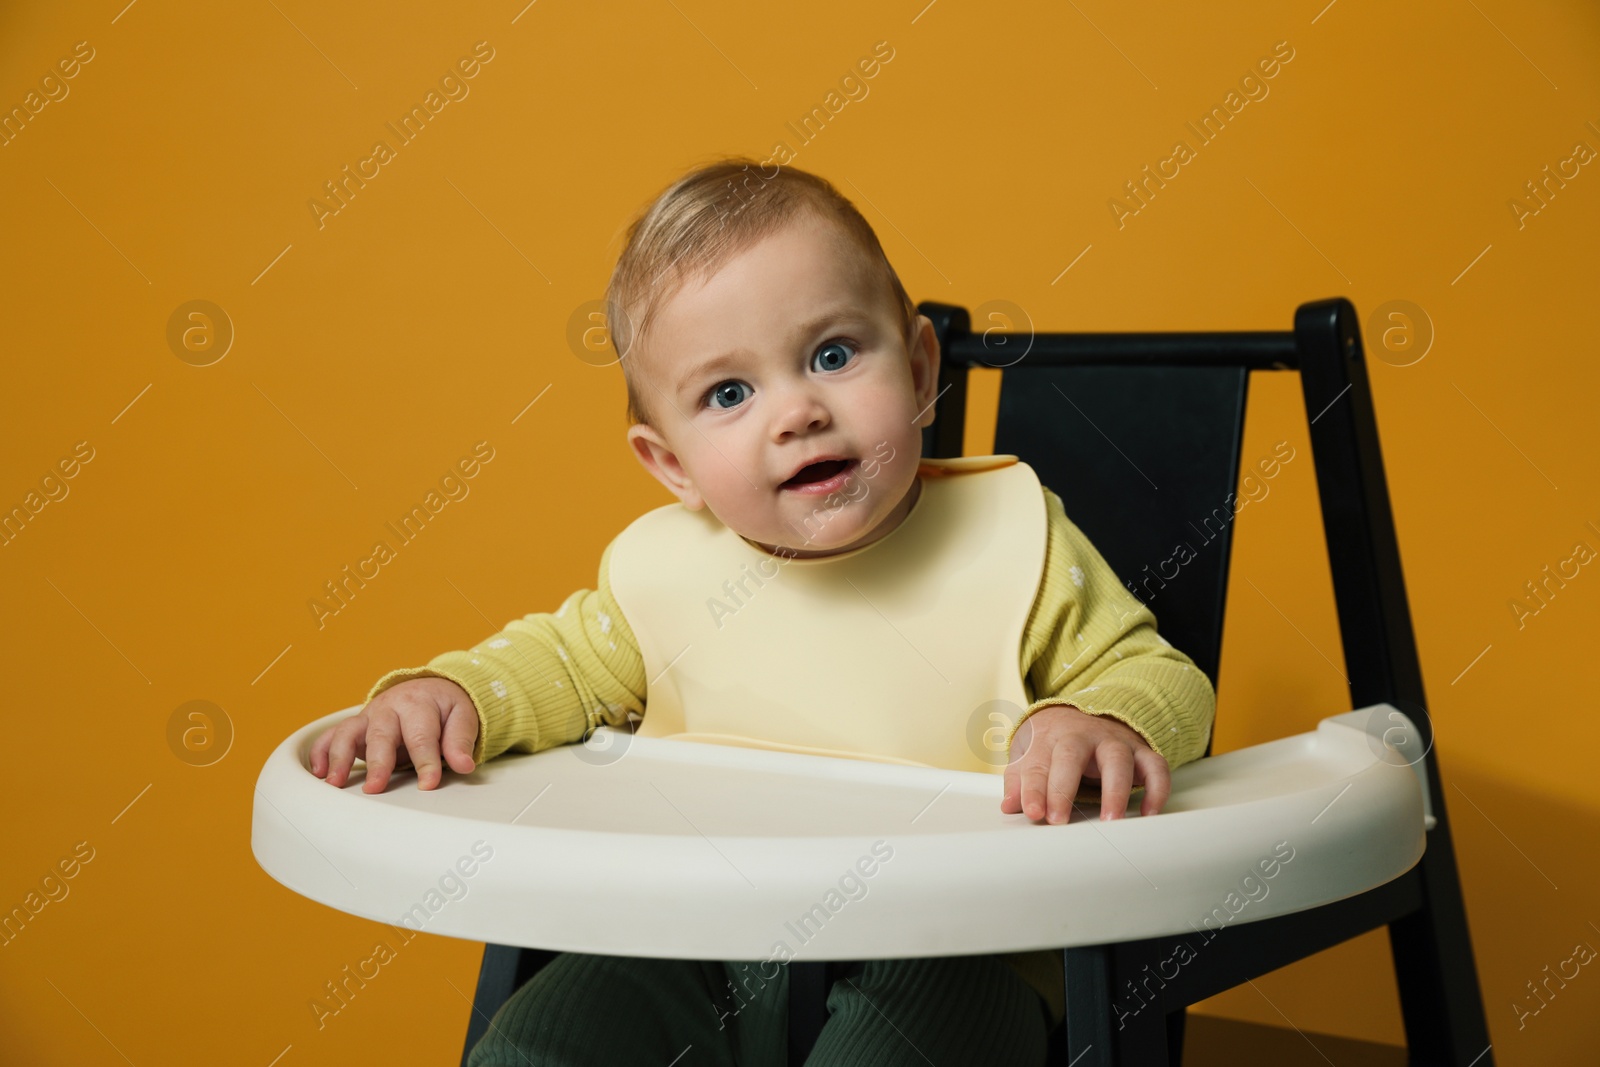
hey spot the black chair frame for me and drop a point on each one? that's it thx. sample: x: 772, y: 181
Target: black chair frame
x: 1423, y: 909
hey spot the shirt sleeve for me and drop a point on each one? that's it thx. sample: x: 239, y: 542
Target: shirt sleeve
x: 1092, y: 644
x: 546, y: 679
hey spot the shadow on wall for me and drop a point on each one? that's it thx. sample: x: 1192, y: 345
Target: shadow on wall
x: 1531, y: 877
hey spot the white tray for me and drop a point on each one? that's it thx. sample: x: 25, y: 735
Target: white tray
x: 639, y: 846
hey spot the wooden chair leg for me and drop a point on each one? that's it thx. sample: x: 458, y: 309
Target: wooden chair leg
x: 1175, y: 1025
x: 808, y: 1007
x: 1087, y: 1038
x: 1092, y: 1036
x: 1440, y: 999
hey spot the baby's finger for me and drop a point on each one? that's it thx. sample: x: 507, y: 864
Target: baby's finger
x: 1115, y: 762
x: 348, y: 741
x: 1066, y: 771
x: 1157, y: 779
x: 319, y: 753
x: 420, y: 727
x: 460, y: 731
x: 1034, y: 774
x: 1011, y: 790
x: 383, y: 737
x: 1011, y: 786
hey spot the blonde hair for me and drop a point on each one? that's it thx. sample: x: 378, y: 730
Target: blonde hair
x: 705, y: 218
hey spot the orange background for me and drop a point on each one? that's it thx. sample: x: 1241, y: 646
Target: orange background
x: 372, y: 352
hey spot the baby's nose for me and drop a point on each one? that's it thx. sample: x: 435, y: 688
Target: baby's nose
x: 800, y: 409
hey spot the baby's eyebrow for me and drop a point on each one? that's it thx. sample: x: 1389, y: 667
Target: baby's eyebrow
x: 726, y: 361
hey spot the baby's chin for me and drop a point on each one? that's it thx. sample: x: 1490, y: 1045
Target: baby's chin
x: 859, y: 522
x: 841, y: 537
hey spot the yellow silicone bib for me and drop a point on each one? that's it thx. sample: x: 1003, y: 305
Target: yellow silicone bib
x: 889, y: 652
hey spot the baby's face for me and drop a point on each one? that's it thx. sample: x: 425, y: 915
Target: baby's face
x: 787, y: 399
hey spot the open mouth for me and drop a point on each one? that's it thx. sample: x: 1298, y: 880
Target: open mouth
x: 825, y: 476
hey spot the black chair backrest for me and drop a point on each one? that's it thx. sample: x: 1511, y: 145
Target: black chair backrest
x: 1145, y: 460
x: 1140, y: 436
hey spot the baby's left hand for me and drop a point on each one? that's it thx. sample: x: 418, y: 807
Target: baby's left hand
x: 1058, y: 745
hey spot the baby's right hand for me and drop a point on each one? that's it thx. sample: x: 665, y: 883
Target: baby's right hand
x: 406, y: 723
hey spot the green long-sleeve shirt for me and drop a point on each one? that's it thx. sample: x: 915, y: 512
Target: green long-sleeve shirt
x: 549, y: 678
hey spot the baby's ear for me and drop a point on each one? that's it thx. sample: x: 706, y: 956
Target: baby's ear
x: 657, y: 457
x: 924, y: 353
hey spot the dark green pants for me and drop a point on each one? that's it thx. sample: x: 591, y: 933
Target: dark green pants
x: 583, y: 1010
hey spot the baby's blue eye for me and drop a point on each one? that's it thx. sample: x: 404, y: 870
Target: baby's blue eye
x: 728, y: 391
x: 827, y: 358
x: 831, y: 356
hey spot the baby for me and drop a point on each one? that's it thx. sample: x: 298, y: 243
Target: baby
x: 779, y: 379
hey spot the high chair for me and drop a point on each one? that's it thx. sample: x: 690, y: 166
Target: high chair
x: 628, y: 845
